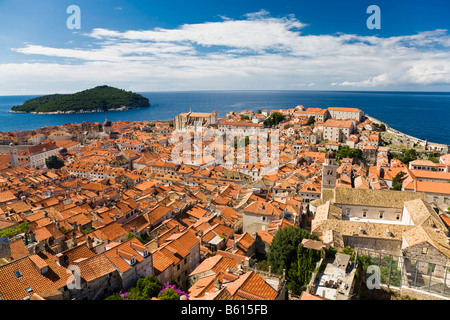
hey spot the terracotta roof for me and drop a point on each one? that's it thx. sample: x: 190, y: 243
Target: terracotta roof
x: 6, y: 196
x: 21, y: 274
x: 429, y: 187
x: 95, y: 267
x: 18, y: 249
x: 308, y: 296
x: 338, y: 123
x: 264, y: 208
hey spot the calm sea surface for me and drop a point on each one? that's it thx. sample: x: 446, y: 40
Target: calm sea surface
x: 420, y: 114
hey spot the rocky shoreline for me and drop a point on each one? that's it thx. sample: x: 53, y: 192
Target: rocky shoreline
x: 414, y: 140
x: 123, y: 108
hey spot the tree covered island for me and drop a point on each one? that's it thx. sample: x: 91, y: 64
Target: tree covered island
x: 98, y: 99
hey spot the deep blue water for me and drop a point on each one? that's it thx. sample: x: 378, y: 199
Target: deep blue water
x: 425, y: 115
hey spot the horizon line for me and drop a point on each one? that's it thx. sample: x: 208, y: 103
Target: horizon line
x: 242, y: 90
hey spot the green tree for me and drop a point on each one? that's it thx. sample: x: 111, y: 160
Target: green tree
x: 283, y: 253
x: 406, y: 156
x: 53, y: 162
x: 347, y: 152
x: 311, y: 120
x: 349, y: 251
x: 168, y: 294
x: 307, y: 261
x: 245, y: 117
x: 132, y: 235
x: 11, y: 232
x: 145, y: 289
x: 397, y: 182
x: 274, y: 119
x: 114, y: 296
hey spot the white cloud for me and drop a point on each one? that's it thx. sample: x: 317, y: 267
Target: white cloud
x: 256, y: 52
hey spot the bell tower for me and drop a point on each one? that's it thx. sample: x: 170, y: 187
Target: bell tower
x: 13, y: 156
x: 329, y: 171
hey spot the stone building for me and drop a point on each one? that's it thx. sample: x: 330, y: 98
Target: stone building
x: 259, y: 215
x: 374, y: 219
x: 346, y: 113
x: 184, y: 120
x: 337, y: 130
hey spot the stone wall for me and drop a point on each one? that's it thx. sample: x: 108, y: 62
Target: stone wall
x: 253, y: 222
x: 388, y: 245
x: 5, y: 248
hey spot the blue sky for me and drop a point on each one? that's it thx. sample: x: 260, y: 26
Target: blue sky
x: 213, y: 45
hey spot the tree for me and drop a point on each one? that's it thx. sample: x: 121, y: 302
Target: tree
x: 274, y: 119
x: 311, y: 120
x: 10, y: 232
x: 307, y: 261
x: 397, y: 182
x: 406, y: 156
x: 349, y: 251
x: 347, y: 152
x: 53, y: 162
x: 245, y: 117
x: 168, y: 294
x: 114, y: 296
x: 132, y: 235
x: 283, y: 253
x: 145, y: 289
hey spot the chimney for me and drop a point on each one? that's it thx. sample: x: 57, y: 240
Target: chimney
x: 60, y: 257
x: 89, y: 242
x: 270, y: 269
x: 74, y: 239
x: 218, y: 284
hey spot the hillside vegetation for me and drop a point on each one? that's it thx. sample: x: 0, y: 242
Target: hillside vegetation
x: 102, y: 98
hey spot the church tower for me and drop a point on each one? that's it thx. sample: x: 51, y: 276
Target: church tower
x: 329, y: 171
x: 13, y: 156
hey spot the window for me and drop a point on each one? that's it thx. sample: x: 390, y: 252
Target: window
x: 398, y: 216
x: 29, y: 290
x: 381, y: 214
x: 185, y: 260
x: 263, y: 218
x: 364, y: 214
x: 178, y: 267
x: 18, y: 274
x: 145, y: 252
x: 424, y: 250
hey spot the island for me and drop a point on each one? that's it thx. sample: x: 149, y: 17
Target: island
x: 98, y: 99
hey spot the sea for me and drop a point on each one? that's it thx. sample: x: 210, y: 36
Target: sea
x: 424, y: 115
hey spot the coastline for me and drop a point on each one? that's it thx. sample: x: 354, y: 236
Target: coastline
x: 123, y: 108
x: 402, y: 135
